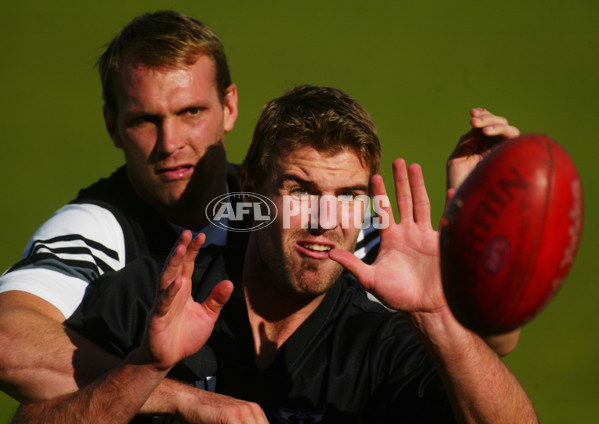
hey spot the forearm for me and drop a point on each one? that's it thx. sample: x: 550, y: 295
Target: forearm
x: 27, y: 372
x: 114, y: 398
x: 42, y: 360
x: 38, y: 356
x: 479, y: 385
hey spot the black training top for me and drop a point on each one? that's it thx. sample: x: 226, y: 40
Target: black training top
x: 351, y: 361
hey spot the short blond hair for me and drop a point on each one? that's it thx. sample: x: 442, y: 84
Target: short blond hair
x: 163, y: 39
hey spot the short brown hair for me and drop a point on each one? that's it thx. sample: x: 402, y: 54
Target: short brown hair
x: 324, y: 118
x: 163, y: 39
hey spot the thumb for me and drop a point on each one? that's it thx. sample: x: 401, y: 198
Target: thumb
x: 359, y: 269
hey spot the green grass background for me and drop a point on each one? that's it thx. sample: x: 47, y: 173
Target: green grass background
x: 418, y: 67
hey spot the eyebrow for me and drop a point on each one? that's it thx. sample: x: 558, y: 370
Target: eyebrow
x: 137, y: 113
x: 299, y: 180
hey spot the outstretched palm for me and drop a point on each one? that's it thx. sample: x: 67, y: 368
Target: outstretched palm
x: 177, y: 325
x: 406, y: 273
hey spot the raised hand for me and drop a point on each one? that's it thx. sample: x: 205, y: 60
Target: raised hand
x: 487, y: 131
x: 178, y: 326
x: 406, y: 274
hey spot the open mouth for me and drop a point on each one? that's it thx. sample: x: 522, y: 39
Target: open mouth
x: 316, y: 247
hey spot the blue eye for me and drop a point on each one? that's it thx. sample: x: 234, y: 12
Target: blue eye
x: 346, y: 197
x: 299, y: 191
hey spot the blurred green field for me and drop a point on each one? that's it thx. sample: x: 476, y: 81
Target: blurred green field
x: 418, y: 67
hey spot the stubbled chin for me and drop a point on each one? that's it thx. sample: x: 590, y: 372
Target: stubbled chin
x: 167, y: 196
x: 319, y: 276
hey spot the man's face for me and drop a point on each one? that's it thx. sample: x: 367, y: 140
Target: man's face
x: 297, y: 257
x: 167, y: 121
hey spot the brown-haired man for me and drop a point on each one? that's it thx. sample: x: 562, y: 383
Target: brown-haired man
x: 298, y: 337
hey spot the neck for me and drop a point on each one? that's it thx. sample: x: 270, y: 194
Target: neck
x: 273, y: 316
x: 191, y: 213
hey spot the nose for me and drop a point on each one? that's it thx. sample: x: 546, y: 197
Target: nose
x: 333, y: 212
x: 170, y: 136
x: 319, y: 213
x: 328, y: 213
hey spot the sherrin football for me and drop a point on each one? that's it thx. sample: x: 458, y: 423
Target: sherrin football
x: 510, y: 234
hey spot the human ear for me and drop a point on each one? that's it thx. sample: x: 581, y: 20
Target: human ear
x: 230, y: 108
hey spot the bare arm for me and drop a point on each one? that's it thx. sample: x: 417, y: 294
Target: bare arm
x: 479, y: 385
x: 177, y: 327
x: 109, y: 399
x: 47, y: 371
x: 37, y: 350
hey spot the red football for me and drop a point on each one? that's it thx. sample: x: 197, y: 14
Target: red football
x: 510, y: 234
